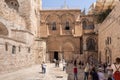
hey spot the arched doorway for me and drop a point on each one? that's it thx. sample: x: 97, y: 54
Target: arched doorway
x: 68, y: 51
x: 54, y: 50
x: 108, y: 57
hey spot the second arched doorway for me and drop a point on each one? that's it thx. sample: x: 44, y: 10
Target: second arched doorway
x: 68, y: 51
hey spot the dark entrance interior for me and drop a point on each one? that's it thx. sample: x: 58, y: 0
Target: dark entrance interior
x: 56, y: 55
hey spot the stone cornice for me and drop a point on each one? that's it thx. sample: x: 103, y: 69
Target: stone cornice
x: 5, y: 37
x: 94, y: 34
x: 44, y: 10
x: 25, y: 31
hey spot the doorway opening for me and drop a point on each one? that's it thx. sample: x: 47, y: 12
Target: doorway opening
x: 56, y: 55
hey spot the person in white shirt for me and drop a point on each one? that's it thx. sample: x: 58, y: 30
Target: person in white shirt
x: 44, y: 67
x: 86, y: 71
x: 109, y: 72
x: 117, y: 64
x: 116, y: 69
x: 64, y: 65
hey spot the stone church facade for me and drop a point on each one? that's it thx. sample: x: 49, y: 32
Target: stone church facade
x: 65, y: 32
x: 18, y: 29
x: 61, y: 29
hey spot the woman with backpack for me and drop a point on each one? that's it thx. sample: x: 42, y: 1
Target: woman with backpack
x: 116, y: 69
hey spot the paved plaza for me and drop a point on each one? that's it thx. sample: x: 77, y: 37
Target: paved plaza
x: 52, y: 73
x: 34, y: 73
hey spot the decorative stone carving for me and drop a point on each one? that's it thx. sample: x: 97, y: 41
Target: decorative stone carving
x: 13, y: 4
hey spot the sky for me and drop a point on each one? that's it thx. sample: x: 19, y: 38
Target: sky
x: 57, y: 4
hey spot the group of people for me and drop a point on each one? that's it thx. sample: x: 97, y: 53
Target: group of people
x: 92, y: 72
x: 43, y: 65
x: 57, y: 62
x: 99, y: 72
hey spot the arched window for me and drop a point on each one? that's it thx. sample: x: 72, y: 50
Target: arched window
x: 6, y: 46
x: 53, y: 26
x: 67, y: 27
x: 12, y: 4
x: 13, y: 49
x: 84, y: 23
x: 29, y: 49
x: 19, y: 48
x: 90, y: 27
x: 91, y: 44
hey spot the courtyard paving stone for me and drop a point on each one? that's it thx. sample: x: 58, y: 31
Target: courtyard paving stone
x: 34, y: 73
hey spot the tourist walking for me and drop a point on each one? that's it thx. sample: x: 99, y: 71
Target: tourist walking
x: 44, y: 67
x: 75, y: 70
x: 109, y: 72
x: 94, y: 75
x: 64, y: 65
x: 86, y: 72
x: 101, y: 74
x: 57, y: 63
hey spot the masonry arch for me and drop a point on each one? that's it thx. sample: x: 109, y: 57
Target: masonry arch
x: 52, y: 22
x: 54, y: 49
x: 68, y: 49
x: 84, y: 23
x: 53, y: 46
x: 67, y: 23
x: 84, y: 19
x: 3, y: 30
x: 52, y: 18
x: 67, y: 18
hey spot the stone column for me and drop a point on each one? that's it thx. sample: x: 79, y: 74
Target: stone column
x: 60, y: 56
x: 48, y: 33
x: 61, y: 29
x: 47, y: 57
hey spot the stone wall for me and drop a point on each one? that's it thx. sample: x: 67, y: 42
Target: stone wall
x: 17, y: 39
x: 109, y: 37
x: 10, y: 61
